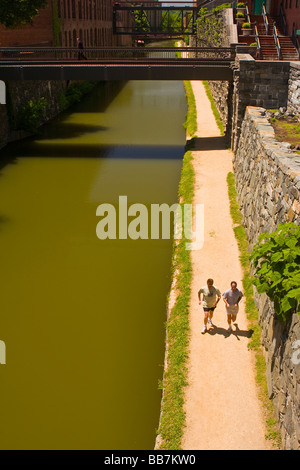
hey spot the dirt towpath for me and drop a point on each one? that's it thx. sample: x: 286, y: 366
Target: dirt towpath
x: 223, y: 411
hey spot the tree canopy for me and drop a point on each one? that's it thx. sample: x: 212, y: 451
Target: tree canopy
x: 15, y: 13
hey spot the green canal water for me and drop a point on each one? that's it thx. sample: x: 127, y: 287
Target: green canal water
x: 83, y: 319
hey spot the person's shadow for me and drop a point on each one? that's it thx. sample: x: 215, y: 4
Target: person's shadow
x: 216, y: 330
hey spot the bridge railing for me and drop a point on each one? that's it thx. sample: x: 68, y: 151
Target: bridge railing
x: 120, y: 54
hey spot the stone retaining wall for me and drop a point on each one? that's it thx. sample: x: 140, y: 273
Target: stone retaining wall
x: 257, y: 83
x: 19, y: 94
x: 293, y: 104
x: 267, y: 175
x: 222, y: 94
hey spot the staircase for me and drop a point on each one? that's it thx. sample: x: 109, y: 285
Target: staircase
x: 289, y: 52
x: 268, y: 49
x: 267, y: 42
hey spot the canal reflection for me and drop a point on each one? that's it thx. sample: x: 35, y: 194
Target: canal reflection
x: 83, y: 320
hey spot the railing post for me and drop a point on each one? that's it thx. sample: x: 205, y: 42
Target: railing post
x: 277, y: 43
x: 295, y: 38
x: 282, y: 19
x: 257, y: 41
x: 247, y: 13
x: 265, y: 17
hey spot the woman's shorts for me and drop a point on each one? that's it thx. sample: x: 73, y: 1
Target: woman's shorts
x: 208, y: 309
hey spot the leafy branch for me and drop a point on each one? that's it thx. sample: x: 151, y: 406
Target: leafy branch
x: 14, y: 13
x: 31, y: 115
x: 276, y: 258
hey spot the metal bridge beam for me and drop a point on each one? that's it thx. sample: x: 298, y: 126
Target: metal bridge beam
x: 115, y: 72
x: 167, y: 18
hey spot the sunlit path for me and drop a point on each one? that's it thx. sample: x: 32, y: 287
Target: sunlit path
x: 222, y: 407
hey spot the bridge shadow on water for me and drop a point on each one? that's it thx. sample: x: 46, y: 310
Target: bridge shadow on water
x: 37, y: 149
x: 98, y: 100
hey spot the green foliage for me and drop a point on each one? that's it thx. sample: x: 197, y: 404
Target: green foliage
x: 14, y: 13
x: 171, y: 21
x: 172, y: 420
x: 240, y: 5
x: 191, y: 117
x: 273, y: 433
x: 186, y: 37
x: 246, y: 25
x: 240, y: 15
x: 253, y: 44
x: 57, y: 23
x: 209, y: 24
x: 175, y: 376
x: 221, y: 7
x: 74, y: 93
x: 30, y: 116
x: 141, y: 22
x: 276, y: 258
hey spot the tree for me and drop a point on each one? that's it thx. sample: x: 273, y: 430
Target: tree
x: 141, y: 22
x: 14, y: 13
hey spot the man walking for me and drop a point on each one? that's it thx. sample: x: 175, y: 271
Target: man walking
x: 210, y: 298
x: 231, y: 298
x: 80, y: 47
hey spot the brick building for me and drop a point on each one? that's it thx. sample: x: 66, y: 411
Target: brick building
x: 39, y: 33
x: 291, y: 12
x: 62, y: 21
x: 285, y: 11
x: 91, y: 20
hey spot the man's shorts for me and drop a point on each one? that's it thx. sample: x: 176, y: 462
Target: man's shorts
x: 208, y: 309
x: 232, y: 310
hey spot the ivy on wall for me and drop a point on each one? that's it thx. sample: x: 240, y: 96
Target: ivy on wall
x: 276, y: 258
x: 56, y: 24
x: 31, y: 115
x: 209, y: 25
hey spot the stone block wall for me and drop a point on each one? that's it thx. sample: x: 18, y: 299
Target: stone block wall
x: 267, y: 175
x: 257, y: 83
x: 293, y: 104
x: 281, y: 343
x: 4, y: 128
x: 222, y: 94
x: 19, y: 94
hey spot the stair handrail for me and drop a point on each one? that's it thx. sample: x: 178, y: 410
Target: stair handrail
x: 282, y: 19
x: 247, y: 14
x: 266, y: 21
x: 257, y: 41
x: 277, y: 42
x: 295, y: 39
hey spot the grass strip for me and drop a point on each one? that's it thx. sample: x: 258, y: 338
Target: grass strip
x: 172, y: 419
x: 273, y: 433
x: 213, y: 107
x: 190, y: 124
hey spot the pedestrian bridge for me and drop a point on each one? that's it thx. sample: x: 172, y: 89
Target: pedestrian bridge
x: 106, y: 64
